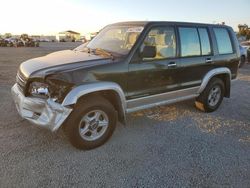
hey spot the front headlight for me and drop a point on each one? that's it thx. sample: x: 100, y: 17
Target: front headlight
x: 39, y: 89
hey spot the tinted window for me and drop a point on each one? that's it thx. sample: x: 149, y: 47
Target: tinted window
x: 223, y: 41
x: 190, y: 44
x: 163, y: 38
x: 205, y: 43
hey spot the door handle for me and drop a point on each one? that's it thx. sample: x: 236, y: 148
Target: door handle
x: 172, y: 64
x: 209, y: 60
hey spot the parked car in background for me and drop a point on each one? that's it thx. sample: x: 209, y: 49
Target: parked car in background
x: 82, y: 39
x: 2, y: 42
x: 28, y: 42
x: 23, y: 40
x: 44, y: 40
x: 246, y: 44
x: 243, y: 55
x: 14, y: 42
x: 9, y: 42
x: 127, y: 67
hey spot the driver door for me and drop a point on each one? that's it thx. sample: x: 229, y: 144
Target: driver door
x: 158, y: 74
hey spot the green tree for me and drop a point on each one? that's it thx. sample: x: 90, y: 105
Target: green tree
x: 244, y: 30
x: 7, y: 35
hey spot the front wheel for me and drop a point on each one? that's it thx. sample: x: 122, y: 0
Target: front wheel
x: 91, y: 123
x: 211, y: 98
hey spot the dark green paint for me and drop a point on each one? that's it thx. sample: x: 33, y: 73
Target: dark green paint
x: 138, y: 78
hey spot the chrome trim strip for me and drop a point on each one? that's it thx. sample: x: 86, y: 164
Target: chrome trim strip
x: 212, y: 73
x: 161, y: 99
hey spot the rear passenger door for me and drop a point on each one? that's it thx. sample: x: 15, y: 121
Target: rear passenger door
x: 195, y: 55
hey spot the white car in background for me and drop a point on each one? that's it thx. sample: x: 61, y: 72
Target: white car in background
x: 246, y: 44
x: 244, y: 52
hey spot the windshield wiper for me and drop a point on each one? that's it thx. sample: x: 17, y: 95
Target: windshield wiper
x: 104, y: 52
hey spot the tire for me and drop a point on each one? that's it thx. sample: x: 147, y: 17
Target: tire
x: 209, y: 101
x: 242, y: 61
x: 96, y: 118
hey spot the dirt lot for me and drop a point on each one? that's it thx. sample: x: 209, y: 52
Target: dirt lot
x: 162, y: 147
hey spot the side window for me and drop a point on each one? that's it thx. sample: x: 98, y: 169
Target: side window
x: 190, y: 43
x: 205, y: 42
x: 163, y: 38
x: 223, y: 41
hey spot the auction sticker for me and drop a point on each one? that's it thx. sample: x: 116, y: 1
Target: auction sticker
x: 135, y: 29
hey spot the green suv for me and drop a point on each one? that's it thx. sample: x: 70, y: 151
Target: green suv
x: 127, y: 67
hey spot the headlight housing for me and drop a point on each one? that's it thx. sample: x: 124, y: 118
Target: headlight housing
x: 39, y: 89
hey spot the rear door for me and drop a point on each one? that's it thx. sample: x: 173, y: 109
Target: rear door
x: 195, y: 55
x: 148, y: 76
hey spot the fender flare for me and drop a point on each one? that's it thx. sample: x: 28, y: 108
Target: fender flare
x: 211, y: 74
x: 81, y: 90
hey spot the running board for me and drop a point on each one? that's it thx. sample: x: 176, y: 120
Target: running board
x: 161, y: 99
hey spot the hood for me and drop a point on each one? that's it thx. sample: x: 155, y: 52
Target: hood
x: 59, y: 59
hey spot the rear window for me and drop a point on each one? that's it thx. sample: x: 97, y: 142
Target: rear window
x: 223, y: 41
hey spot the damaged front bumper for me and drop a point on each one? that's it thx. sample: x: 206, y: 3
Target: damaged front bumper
x: 42, y: 112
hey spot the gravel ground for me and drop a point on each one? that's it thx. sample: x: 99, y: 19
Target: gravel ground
x: 170, y: 146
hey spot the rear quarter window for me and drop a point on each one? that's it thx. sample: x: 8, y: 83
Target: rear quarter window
x: 223, y: 41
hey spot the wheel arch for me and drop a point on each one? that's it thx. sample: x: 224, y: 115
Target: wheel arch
x: 109, y: 90
x: 223, y: 73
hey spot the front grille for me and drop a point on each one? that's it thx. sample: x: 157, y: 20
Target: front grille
x: 21, y: 81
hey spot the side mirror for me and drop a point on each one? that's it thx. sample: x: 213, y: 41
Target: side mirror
x: 148, y: 52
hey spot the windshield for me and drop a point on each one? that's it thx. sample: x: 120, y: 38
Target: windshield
x: 116, y: 39
x: 82, y: 47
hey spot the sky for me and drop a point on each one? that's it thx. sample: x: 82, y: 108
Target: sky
x: 49, y: 17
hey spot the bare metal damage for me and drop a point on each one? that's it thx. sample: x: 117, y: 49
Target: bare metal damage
x: 42, y: 112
